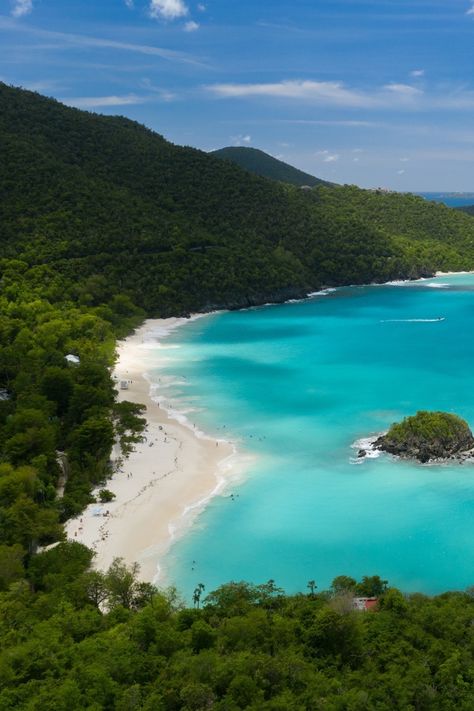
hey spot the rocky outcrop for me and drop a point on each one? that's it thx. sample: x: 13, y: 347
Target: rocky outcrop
x: 429, y: 436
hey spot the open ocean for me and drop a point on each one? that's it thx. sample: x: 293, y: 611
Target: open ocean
x: 296, y: 385
x: 450, y: 199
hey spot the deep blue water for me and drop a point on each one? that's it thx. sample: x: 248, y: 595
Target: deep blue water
x: 450, y: 199
x: 296, y: 385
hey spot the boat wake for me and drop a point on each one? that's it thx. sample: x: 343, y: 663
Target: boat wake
x: 414, y: 320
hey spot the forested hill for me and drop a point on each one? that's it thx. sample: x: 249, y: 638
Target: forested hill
x: 109, y: 206
x: 260, y: 163
x: 103, y: 222
x: 468, y: 209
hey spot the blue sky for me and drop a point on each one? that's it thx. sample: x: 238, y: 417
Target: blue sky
x: 376, y: 93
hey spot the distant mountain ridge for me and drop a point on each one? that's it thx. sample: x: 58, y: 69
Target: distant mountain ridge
x: 265, y: 165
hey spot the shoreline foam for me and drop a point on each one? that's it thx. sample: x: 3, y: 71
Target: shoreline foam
x: 166, y: 481
x: 174, y: 493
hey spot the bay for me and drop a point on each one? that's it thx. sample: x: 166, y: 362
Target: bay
x: 296, y: 386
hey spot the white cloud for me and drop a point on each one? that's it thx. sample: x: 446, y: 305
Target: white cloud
x: 327, y: 157
x: 403, y: 89
x: 471, y: 10
x: 319, y: 122
x: 191, y: 26
x: 21, y: 7
x: 333, y: 93
x: 65, y: 40
x: 130, y: 4
x: 400, y: 172
x: 329, y: 92
x: 91, y: 102
x: 404, y: 160
x: 168, y: 9
x: 241, y: 139
x: 395, y: 96
x: 42, y: 85
x: 417, y: 73
x: 201, y: 7
x: 163, y: 94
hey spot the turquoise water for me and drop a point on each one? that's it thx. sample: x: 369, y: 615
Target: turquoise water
x: 296, y: 385
x: 450, y: 199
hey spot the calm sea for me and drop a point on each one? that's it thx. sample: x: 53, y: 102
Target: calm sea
x: 450, y: 199
x: 297, y: 385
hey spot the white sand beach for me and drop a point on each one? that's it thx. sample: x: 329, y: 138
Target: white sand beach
x: 441, y: 274
x: 164, y: 483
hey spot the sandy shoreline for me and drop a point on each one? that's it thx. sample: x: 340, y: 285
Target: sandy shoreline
x: 169, y: 478
x: 162, y: 486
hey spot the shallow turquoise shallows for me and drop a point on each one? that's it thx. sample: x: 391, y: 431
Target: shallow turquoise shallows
x: 297, y: 385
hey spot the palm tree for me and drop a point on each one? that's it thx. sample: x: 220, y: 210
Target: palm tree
x: 312, y: 587
x: 197, y: 594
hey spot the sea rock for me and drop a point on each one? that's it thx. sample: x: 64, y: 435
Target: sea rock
x: 429, y: 436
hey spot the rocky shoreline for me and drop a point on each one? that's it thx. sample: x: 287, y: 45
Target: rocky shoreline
x: 427, y: 437
x: 459, y: 457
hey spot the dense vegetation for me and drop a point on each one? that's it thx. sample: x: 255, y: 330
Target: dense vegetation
x: 260, y: 163
x: 103, y: 222
x: 72, y: 639
x: 428, y: 435
x: 469, y: 209
x: 112, y: 207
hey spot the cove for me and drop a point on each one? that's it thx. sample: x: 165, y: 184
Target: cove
x: 296, y: 386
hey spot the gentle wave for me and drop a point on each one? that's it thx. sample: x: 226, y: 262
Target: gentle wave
x: 367, y: 444
x: 170, y: 381
x: 227, y: 472
x: 323, y: 292
x: 163, y: 330
x: 230, y: 470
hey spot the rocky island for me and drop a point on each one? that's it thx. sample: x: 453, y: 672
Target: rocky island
x: 429, y: 436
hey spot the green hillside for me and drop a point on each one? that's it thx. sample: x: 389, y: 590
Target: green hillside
x: 73, y: 639
x: 469, y: 209
x: 104, y: 222
x: 260, y: 163
x: 110, y: 206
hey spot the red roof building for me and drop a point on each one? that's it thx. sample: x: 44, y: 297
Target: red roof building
x: 363, y: 604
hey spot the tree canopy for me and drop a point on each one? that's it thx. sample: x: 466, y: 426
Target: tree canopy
x: 428, y: 435
x: 102, y: 223
x: 72, y: 638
